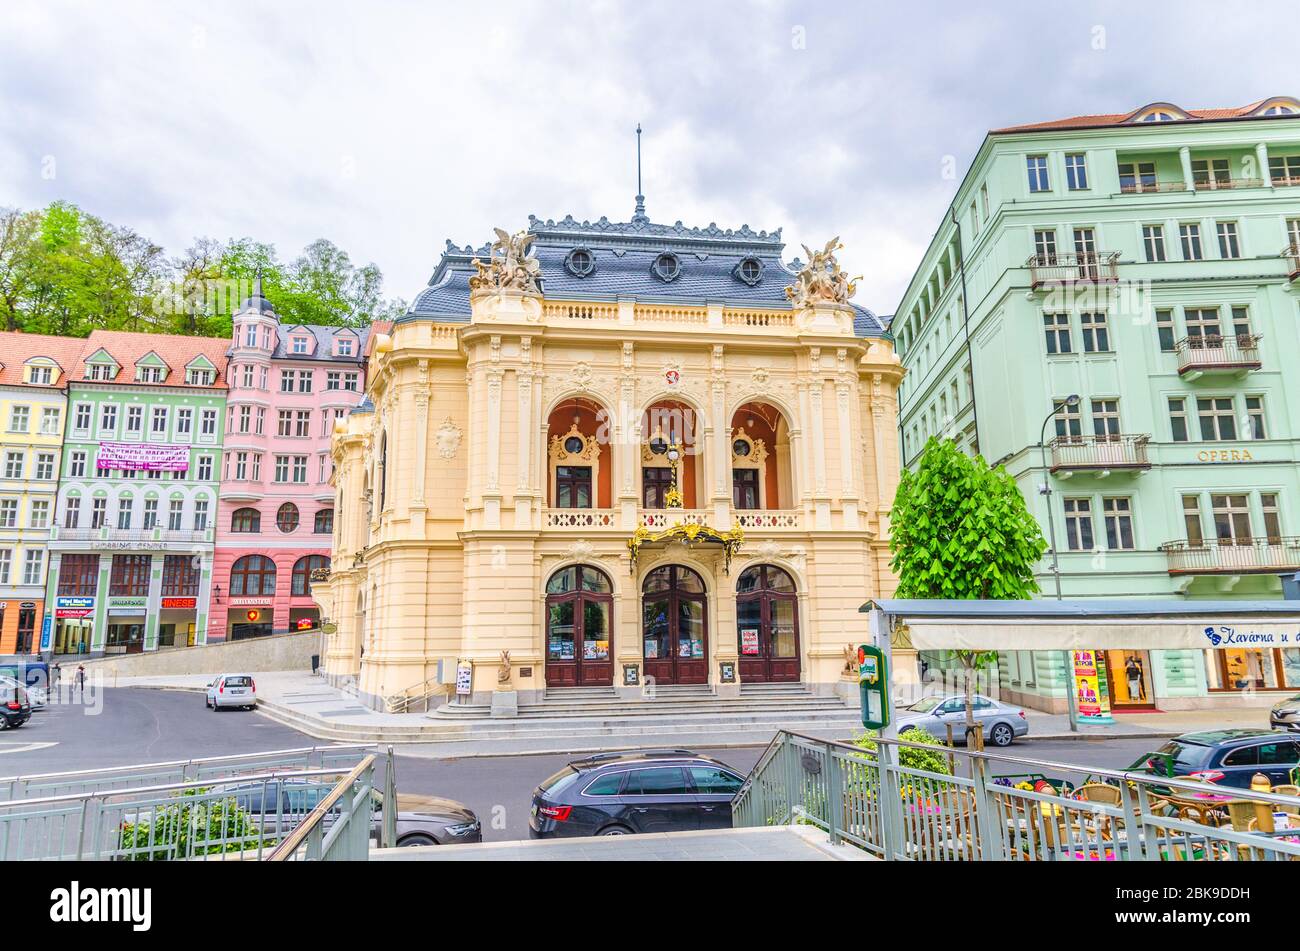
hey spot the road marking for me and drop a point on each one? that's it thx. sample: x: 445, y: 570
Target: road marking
x: 25, y: 747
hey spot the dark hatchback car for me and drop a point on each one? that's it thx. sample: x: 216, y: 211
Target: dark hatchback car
x: 1226, y: 757
x: 15, y: 709
x: 626, y: 793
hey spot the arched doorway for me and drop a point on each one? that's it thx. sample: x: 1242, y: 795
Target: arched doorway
x: 767, y: 621
x: 675, y: 627
x: 579, y: 605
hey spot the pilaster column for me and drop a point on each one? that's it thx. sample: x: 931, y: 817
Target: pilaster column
x: 1261, y: 156
x: 1185, y: 158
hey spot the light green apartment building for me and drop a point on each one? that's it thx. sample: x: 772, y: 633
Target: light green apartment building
x: 1149, y: 264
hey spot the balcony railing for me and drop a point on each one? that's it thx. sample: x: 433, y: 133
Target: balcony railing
x: 1233, y: 556
x: 1291, y: 254
x: 1080, y: 453
x: 1092, y: 267
x: 129, y: 535
x: 1143, y: 188
x: 659, y: 519
x: 1210, y: 352
x: 580, y: 518
x: 1219, y: 184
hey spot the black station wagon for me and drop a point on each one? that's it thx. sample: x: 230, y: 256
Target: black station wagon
x: 642, y: 791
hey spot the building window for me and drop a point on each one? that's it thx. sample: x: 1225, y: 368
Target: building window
x: 1229, y: 242
x: 1153, y: 242
x: 19, y: 419
x: 208, y: 423
x: 1218, y: 423
x: 332, y: 379
x: 159, y: 422
x: 81, y: 419
x: 180, y: 576
x: 125, y: 504
x: 1231, y: 518
x: 1272, y: 523
x: 1076, y: 171
x: 667, y: 267
x: 744, y: 488
x: 50, y: 416
x: 175, y: 509
x: 299, y: 345
x: 1293, y: 234
x: 286, y: 518
x: 1190, y: 236
x: 134, y: 419
x: 1203, y: 325
x: 6, y: 565
x: 77, y: 465
x: 1095, y: 332
x: 1057, y: 328
x: 200, y: 515
x: 300, y: 581
x: 573, y: 487
x: 129, y: 577
x: 324, y: 522
x: 150, y: 515
x: 246, y: 520
x: 1069, y: 422
x: 78, y: 575
x: 1192, y: 519
x: 184, y: 421
x: 1036, y: 165
x: 1211, y: 173
x: 1118, y: 516
x: 98, y: 512
x: 33, y: 566
x: 252, y: 576
x: 1045, y: 246
x: 1284, y: 169
x: 1241, y: 325
x: 39, y: 516
x: 1255, y: 418
x: 199, y: 377
x: 1165, y: 330
x: 45, y: 465
x: 1105, y: 419
x: 1178, y: 418
x: 108, y: 417
x: 205, y: 468
x: 8, y: 513
x: 71, y: 511
x: 14, y: 464
x: 345, y: 347
x: 1078, y: 524
x: 1137, y: 176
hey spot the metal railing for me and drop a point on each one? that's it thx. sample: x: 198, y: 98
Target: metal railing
x: 1084, y: 267
x: 214, y: 768
x: 1216, y: 352
x: 868, y: 798
x: 1139, y: 188
x: 123, y: 536
x: 1233, y: 555
x: 1291, y: 253
x: 206, y: 819
x: 1100, y: 452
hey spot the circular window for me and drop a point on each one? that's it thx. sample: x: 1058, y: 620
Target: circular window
x: 580, y: 262
x: 286, y: 519
x: 573, y: 445
x: 750, y: 271
x: 740, y: 447
x: 659, y: 445
x: 667, y: 267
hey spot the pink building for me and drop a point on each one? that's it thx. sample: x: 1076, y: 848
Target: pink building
x: 275, y: 515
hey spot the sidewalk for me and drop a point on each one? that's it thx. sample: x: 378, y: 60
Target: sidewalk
x: 305, y: 702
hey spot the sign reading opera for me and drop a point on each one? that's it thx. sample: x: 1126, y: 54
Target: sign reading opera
x: 622, y: 453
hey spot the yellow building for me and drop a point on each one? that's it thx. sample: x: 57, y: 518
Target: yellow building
x: 622, y: 453
x: 33, y: 410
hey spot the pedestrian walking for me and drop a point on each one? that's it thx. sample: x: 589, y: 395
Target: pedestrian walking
x: 80, y: 681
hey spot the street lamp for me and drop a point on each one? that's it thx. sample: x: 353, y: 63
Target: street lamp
x: 1072, y: 701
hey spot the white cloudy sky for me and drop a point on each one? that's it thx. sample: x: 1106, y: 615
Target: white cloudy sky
x: 388, y: 127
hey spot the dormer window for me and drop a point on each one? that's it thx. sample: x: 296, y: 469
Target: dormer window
x: 343, y: 346
x: 750, y: 270
x: 300, y: 345
x: 580, y: 262
x: 667, y: 267
x: 1278, y: 111
x: 1158, y: 117
x: 150, y: 374
x: 199, y: 377
x: 39, y: 374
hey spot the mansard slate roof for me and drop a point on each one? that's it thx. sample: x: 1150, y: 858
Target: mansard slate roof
x: 624, y: 254
x: 324, y: 351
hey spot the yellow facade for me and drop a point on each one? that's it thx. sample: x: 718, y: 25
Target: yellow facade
x: 448, y: 526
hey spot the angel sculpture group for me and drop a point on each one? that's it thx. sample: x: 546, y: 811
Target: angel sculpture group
x: 509, y: 266
x: 822, y: 279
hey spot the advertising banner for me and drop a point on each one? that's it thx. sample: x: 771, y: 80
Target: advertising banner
x: 1093, y: 702
x: 143, y: 457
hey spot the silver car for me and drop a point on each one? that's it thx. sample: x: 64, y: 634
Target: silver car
x: 1285, y: 714
x: 232, y: 690
x: 1000, y: 722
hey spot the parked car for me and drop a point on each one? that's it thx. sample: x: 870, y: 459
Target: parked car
x: 1285, y: 714
x: 1226, y: 757
x: 1001, y: 722
x: 232, y: 690
x: 279, y: 805
x: 15, y: 708
x: 35, y: 695
x: 643, y: 791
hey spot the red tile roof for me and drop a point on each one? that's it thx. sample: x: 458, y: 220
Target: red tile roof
x: 1113, y: 119
x: 17, y: 348
x: 174, y: 350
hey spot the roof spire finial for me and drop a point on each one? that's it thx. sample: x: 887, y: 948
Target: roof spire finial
x: 639, y: 214
x: 257, y: 282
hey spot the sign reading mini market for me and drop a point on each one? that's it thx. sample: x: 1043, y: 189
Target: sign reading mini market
x: 143, y: 457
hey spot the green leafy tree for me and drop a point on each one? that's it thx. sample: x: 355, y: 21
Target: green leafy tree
x: 960, y: 529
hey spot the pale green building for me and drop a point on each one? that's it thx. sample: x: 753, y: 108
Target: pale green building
x: 1149, y: 264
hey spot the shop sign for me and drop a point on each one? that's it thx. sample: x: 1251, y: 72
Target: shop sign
x: 1091, y: 701
x: 27, y: 604
x: 46, y: 633
x: 73, y: 613
x: 75, y: 602
x: 749, y: 640
x: 464, y: 678
x: 127, y: 603
x: 143, y: 457
x: 110, y: 545
x: 179, y: 602
x: 1224, y: 455
x: 250, y: 602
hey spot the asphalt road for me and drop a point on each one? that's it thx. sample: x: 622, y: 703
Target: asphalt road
x: 142, y: 726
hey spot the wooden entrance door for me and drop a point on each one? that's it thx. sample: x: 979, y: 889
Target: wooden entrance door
x: 767, y: 622
x: 579, y: 606
x: 674, y: 628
